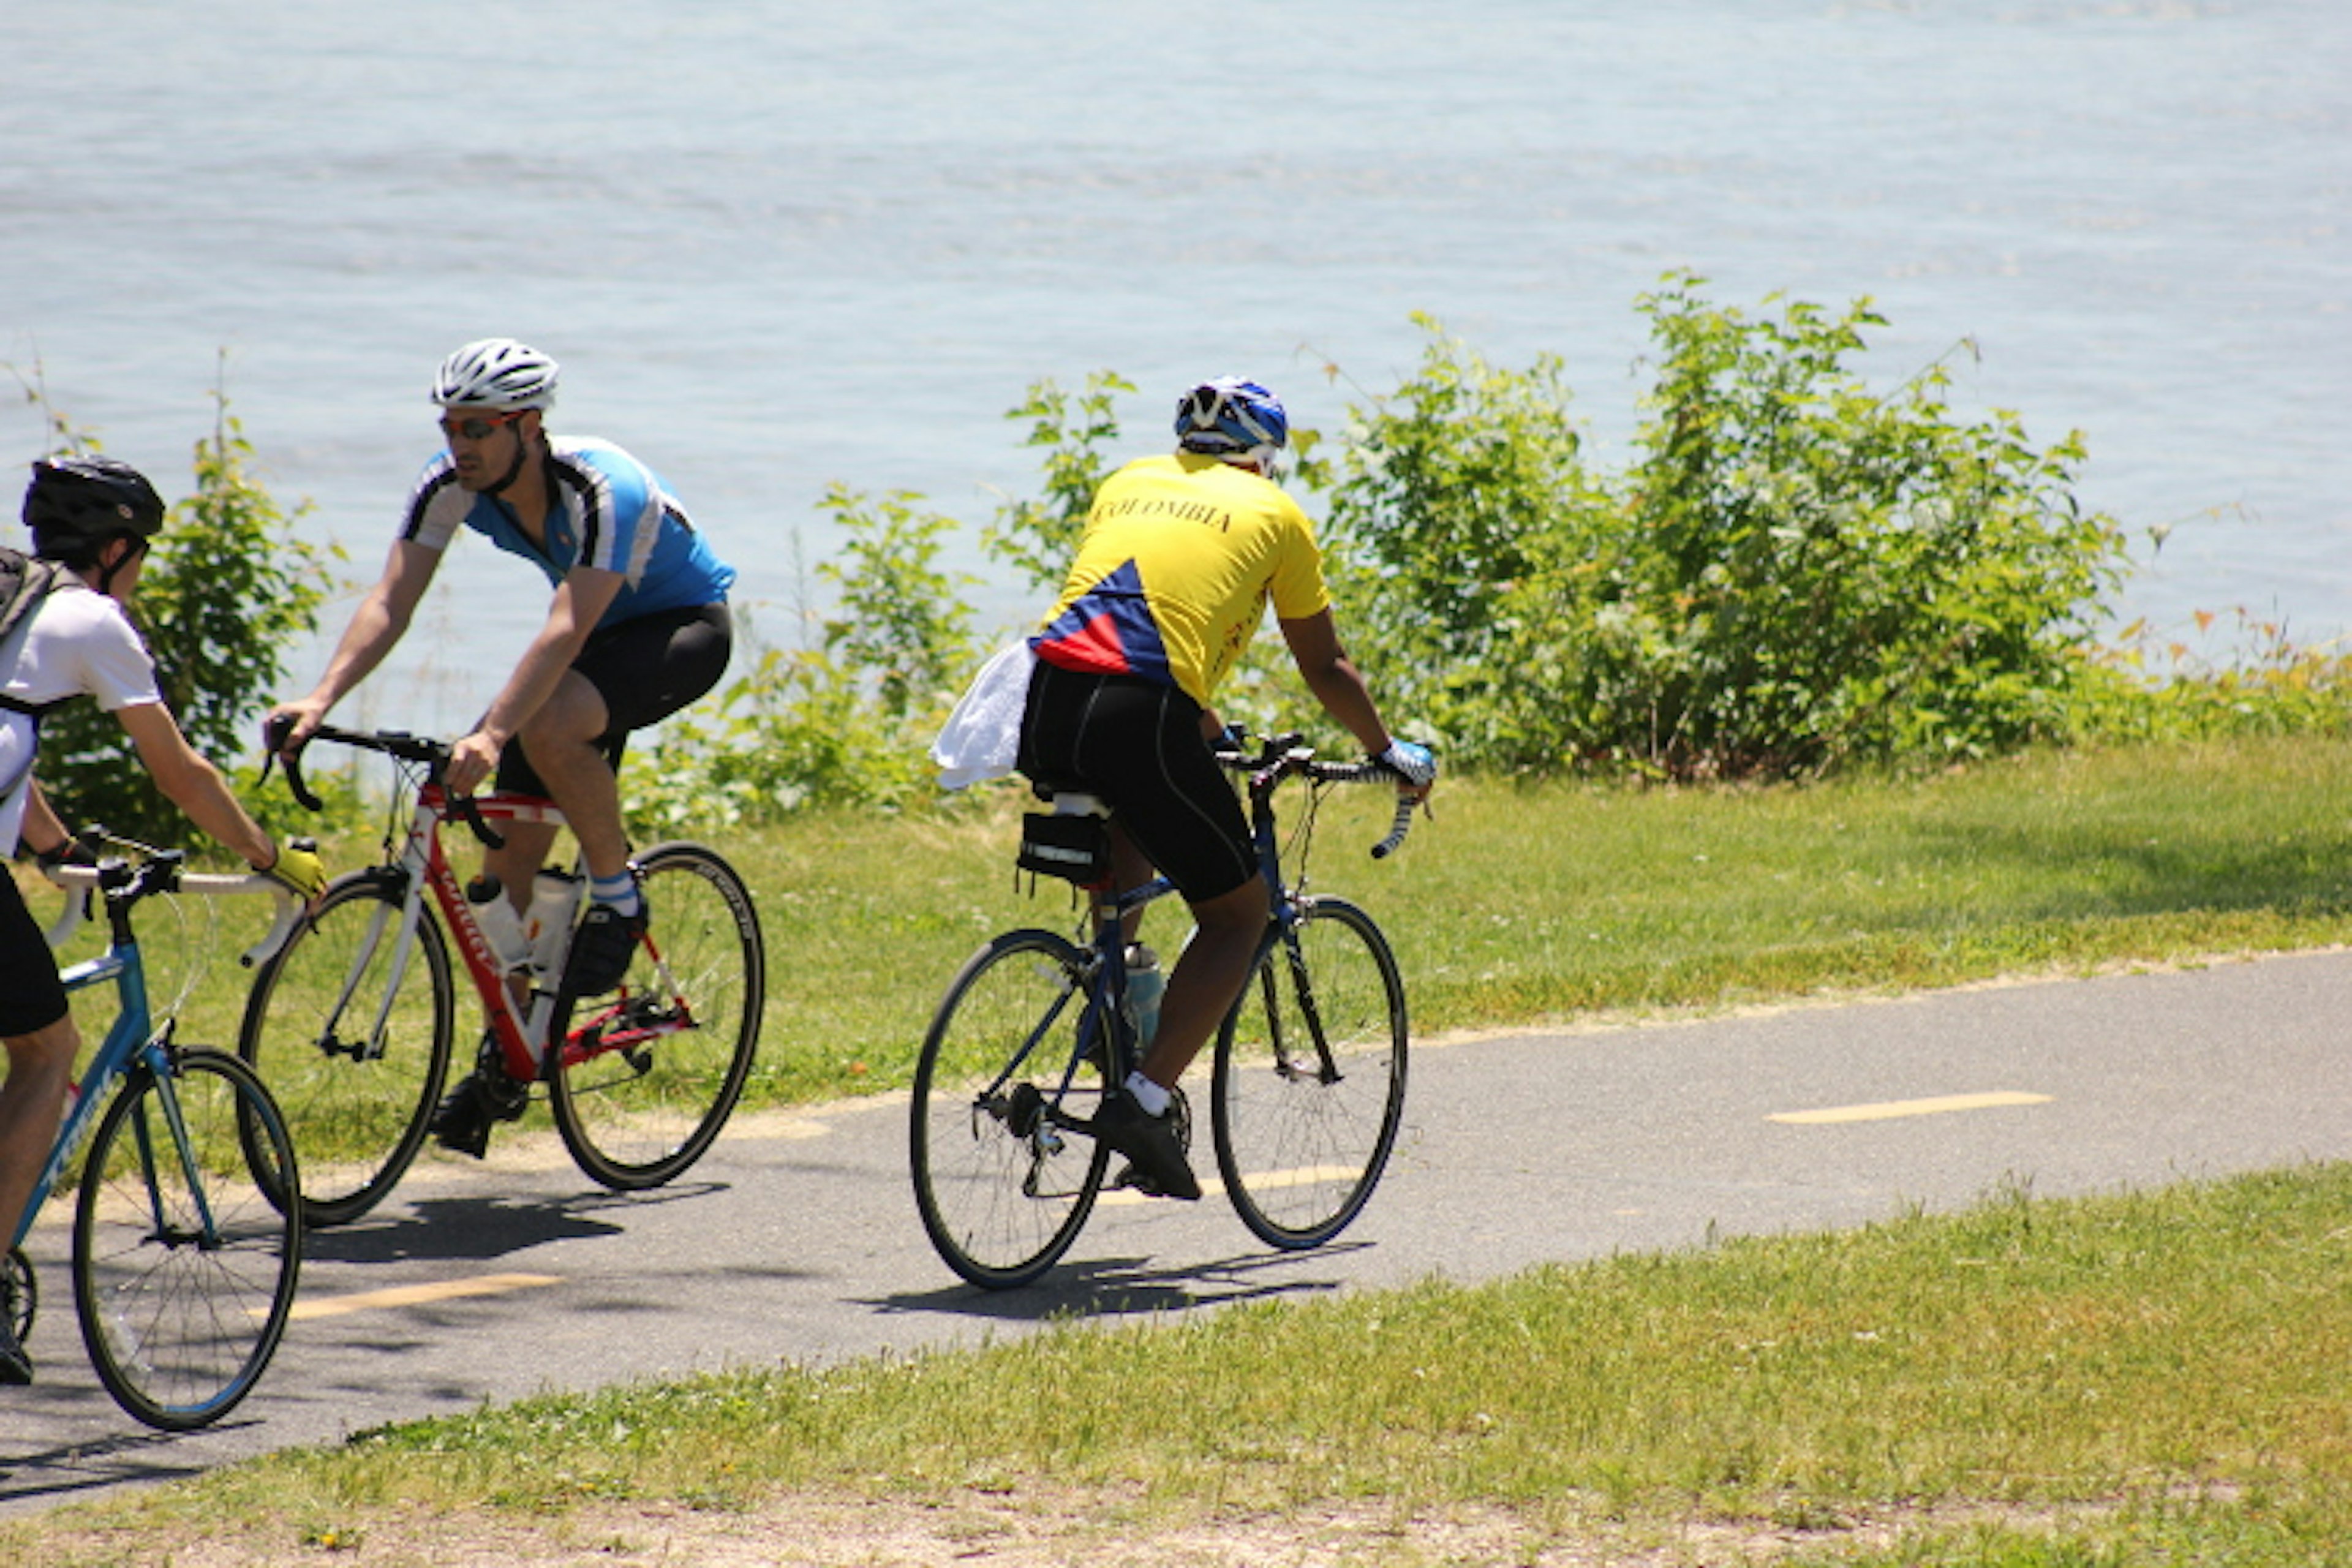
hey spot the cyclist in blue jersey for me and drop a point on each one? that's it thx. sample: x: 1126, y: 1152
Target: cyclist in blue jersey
x: 637, y: 629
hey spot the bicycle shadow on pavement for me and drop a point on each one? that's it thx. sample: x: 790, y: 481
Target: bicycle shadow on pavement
x: 60, y: 1472
x: 476, y: 1229
x: 1111, y: 1288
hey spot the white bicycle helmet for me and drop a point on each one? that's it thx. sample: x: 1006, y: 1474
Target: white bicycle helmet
x: 496, y: 373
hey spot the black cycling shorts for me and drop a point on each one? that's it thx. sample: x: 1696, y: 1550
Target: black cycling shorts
x: 646, y: 668
x: 31, y: 995
x: 1137, y: 745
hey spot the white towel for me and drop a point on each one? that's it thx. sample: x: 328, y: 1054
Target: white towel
x: 983, y: 736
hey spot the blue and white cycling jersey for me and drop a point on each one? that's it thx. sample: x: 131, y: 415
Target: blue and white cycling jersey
x: 610, y: 512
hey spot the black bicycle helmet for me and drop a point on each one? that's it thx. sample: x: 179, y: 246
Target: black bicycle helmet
x: 87, y: 500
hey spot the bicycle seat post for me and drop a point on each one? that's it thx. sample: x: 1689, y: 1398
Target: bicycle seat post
x: 1107, y: 911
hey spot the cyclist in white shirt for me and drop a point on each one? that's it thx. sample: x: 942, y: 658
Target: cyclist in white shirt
x: 93, y: 518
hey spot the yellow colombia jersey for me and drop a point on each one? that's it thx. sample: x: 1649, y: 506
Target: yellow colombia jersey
x: 1179, y: 555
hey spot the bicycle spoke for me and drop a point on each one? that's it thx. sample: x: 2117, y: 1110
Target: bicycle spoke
x: 1003, y: 1189
x: 358, y: 1102
x: 185, y: 1263
x: 649, y: 1075
x: 1309, y: 1078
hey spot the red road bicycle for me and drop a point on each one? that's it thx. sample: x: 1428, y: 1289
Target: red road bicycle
x: 352, y: 1023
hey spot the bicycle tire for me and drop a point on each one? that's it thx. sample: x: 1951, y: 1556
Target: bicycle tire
x: 20, y: 1293
x: 1308, y: 1086
x: 357, y: 1099
x: 649, y: 1075
x: 181, y: 1321
x: 1003, y: 1193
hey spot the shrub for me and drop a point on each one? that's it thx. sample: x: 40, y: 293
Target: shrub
x: 1795, y: 571
x: 1037, y: 537
x: 1463, y: 549
x: 1815, y: 573
x: 226, y: 589
x: 847, y: 721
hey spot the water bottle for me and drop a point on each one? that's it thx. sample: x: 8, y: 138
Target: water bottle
x: 554, y: 898
x: 1144, y: 985
x: 501, y: 927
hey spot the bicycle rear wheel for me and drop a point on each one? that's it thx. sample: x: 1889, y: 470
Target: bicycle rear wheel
x: 649, y: 1074
x: 184, y: 1260
x: 1309, y: 1079
x: 355, y: 1063
x: 1002, y: 1190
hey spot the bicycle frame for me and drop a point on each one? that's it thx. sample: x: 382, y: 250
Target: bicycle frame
x: 422, y: 863
x: 133, y: 1039
x: 518, y: 1026
x: 1107, y: 985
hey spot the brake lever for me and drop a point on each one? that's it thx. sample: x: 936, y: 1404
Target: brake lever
x: 274, y: 730
x: 463, y: 808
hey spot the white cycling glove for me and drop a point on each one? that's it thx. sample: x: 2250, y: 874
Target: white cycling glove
x: 1414, y: 764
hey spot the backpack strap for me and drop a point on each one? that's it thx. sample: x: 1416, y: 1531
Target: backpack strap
x: 24, y: 581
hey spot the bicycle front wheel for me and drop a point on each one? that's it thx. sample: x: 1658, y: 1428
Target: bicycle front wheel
x: 1309, y: 1080
x: 1003, y: 1190
x: 354, y: 1053
x: 184, y: 1258
x: 649, y: 1074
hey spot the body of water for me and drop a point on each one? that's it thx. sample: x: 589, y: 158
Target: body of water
x: 778, y: 246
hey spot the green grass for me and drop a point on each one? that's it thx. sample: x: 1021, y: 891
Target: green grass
x: 2151, y: 1378
x: 1550, y: 901
x: 2143, y: 1378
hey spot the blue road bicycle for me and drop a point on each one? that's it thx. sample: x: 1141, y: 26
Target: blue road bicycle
x: 187, y: 1235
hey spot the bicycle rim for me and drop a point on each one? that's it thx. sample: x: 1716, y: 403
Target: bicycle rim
x: 1001, y: 1192
x: 183, y: 1287
x: 1309, y: 1078
x: 652, y: 1071
x: 355, y: 1065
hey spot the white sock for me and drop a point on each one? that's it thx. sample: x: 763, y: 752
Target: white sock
x: 620, y: 891
x: 1148, y: 1094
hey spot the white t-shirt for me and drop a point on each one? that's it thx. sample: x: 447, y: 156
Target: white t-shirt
x: 75, y: 643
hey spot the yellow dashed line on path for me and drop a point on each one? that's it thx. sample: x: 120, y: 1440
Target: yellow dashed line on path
x: 1888, y: 1110
x: 422, y: 1295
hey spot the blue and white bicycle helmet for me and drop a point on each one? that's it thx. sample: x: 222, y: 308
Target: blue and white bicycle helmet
x: 1236, y: 420
x: 496, y: 373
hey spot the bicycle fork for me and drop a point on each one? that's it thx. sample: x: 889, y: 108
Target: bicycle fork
x: 162, y: 1067
x: 1326, y: 1069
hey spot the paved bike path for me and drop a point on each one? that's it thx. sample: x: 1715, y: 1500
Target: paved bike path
x: 796, y: 1240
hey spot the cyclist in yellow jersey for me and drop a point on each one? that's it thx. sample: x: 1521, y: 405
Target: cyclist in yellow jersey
x: 1220, y: 540
x: 1179, y: 557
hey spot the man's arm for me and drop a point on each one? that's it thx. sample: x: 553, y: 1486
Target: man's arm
x: 43, y: 832
x: 193, y: 785
x: 1334, y: 679
x: 581, y: 600
x: 375, y: 629
x: 1336, y: 683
